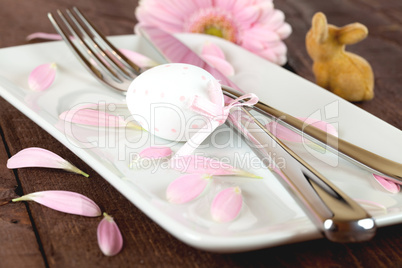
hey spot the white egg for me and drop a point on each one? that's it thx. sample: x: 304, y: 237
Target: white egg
x: 159, y: 100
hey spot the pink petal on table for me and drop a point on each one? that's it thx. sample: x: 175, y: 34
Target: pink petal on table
x: 156, y: 152
x: 38, y: 157
x: 203, y: 165
x: 41, y: 35
x: 284, y: 133
x: 139, y: 59
x: 110, y: 240
x: 388, y: 185
x: 64, y: 201
x: 227, y: 204
x: 42, y: 76
x: 93, y: 117
x: 186, y: 188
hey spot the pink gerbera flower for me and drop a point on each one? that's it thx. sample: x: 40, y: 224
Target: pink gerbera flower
x: 252, y: 24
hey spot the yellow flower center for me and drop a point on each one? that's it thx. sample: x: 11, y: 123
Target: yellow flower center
x: 214, y: 22
x: 214, y: 31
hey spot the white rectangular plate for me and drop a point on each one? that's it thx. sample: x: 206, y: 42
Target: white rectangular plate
x: 269, y: 216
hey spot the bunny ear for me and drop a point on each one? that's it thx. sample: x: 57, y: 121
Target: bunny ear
x: 320, y: 27
x: 352, y: 33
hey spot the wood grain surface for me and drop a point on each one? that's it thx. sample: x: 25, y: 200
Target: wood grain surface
x: 35, y: 236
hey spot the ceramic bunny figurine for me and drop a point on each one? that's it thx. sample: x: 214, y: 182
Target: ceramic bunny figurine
x: 345, y: 74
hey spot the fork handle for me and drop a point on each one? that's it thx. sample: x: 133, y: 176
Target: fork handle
x: 335, y: 214
x: 370, y: 161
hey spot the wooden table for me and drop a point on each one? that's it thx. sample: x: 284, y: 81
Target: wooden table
x: 34, y: 236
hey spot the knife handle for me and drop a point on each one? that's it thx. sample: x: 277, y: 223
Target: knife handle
x: 370, y: 161
x: 338, y: 216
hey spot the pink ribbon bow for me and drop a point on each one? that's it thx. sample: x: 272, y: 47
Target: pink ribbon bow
x: 216, y: 114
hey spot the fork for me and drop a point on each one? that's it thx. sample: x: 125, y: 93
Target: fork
x: 100, y: 57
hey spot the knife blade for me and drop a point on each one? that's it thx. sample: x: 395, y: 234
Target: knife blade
x: 338, y: 216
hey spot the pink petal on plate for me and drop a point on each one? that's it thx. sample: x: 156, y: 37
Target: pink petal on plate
x: 110, y: 240
x: 156, y: 152
x: 186, y: 188
x: 64, y: 201
x: 38, y: 157
x: 221, y: 64
x: 214, y: 55
x: 227, y: 204
x: 203, y: 165
x: 371, y: 204
x: 141, y: 60
x: 212, y: 50
x: 93, y: 117
x: 284, y: 133
x: 42, y: 76
x: 388, y: 185
x: 102, y: 106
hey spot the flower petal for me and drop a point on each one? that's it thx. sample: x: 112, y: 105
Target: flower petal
x: 156, y: 152
x: 249, y: 15
x: 42, y: 76
x: 284, y: 31
x: 110, y: 240
x: 233, y: 20
x: 227, y: 204
x: 46, y: 36
x: 212, y: 49
x: 221, y: 64
x: 64, y: 201
x: 258, y: 38
x: 273, y: 20
x: 388, y: 185
x: 94, y: 117
x: 284, y: 133
x: 281, y: 60
x: 203, y: 165
x: 186, y: 188
x: 371, y: 204
x: 139, y: 59
x: 151, y: 156
x: 38, y: 157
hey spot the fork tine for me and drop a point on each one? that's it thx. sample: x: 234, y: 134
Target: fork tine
x: 122, y: 58
x: 87, y: 36
x: 89, y: 50
x: 71, y: 45
x: 87, y: 64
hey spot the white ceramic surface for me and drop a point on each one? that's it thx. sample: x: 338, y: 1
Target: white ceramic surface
x: 270, y: 216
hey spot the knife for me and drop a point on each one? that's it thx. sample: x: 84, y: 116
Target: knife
x: 338, y: 216
x: 173, y: 50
